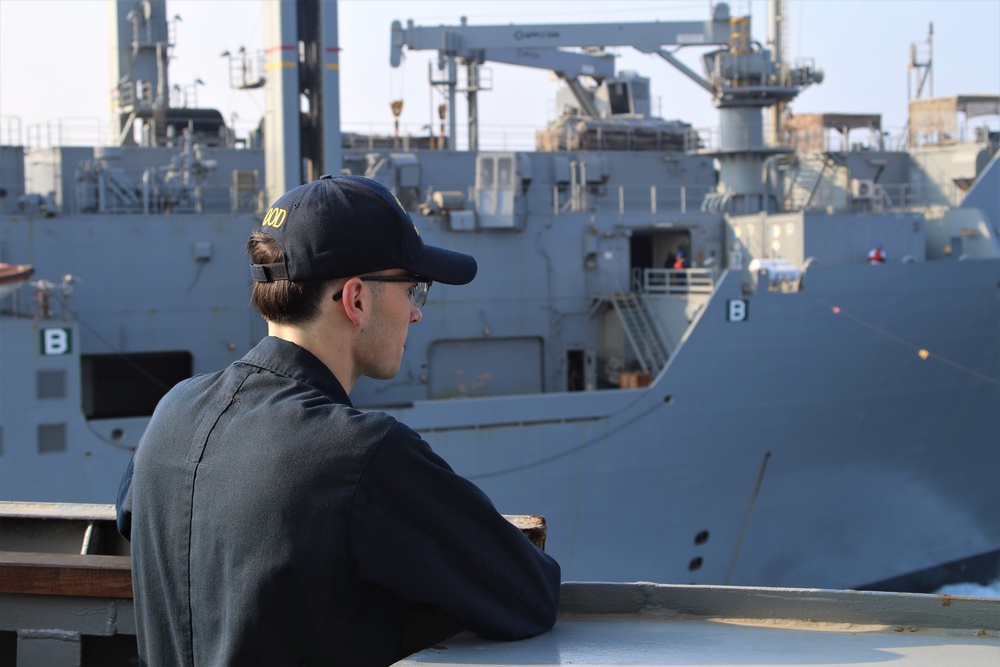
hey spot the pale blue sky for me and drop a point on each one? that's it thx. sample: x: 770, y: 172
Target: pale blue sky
x: 53, y: 57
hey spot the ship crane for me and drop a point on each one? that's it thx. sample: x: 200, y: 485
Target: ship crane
x: 742, y: 77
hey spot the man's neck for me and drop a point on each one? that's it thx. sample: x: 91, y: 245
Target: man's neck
x: 326, y: 346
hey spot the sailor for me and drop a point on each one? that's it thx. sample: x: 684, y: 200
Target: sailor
x: 679, y: 279
x: 679, y: 262
x: 876, y: 255
x: 273, y: 523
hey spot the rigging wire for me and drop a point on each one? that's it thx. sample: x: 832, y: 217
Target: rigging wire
x: 576, y: 448
x: 923, y: 353
x: 397, y: 88
x: 124, y: 357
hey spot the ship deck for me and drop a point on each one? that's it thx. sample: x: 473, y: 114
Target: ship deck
x: 647, y: 624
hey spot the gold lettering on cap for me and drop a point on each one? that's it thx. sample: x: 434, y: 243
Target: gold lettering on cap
x: 275, y: 217
x: 403, y: 209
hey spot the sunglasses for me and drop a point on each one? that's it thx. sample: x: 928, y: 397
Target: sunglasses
x: 417, y: 293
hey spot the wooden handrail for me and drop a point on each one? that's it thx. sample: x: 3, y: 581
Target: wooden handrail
x: 65, y: 574
x: 102, y: 576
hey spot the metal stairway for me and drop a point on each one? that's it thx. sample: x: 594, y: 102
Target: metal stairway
x: 811, y: 168
x: 120, y: 192
x: 640, y: 332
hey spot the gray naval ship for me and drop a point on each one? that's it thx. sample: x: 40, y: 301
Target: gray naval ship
x: 677, y: 349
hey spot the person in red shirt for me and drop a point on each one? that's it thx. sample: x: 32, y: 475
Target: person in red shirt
x: 876, y: 255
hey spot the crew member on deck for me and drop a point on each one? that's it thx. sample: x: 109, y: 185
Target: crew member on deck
x: 876, y: 255
x: 271, y: 522
x: 679, y: 279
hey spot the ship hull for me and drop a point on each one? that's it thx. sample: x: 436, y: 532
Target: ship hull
x: 811, y: 444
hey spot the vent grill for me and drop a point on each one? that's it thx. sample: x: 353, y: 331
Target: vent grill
x: 51, y: 384
x: 51, y: 438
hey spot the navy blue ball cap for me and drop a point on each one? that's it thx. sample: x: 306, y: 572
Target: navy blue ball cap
x: 343, y: 226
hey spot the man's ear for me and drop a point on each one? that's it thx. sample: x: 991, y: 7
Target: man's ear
x: 354, y: 300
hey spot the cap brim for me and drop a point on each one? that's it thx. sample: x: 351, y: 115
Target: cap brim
x: 444, y: 266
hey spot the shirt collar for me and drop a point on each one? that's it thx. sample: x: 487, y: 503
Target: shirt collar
x: 286, y: 358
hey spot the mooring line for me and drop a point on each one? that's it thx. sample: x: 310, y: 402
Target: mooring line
x: 746, y: 519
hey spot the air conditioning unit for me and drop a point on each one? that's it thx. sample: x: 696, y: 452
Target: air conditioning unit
x: 862, y: 188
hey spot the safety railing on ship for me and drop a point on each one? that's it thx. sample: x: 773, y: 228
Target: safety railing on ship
x: 115, y: 197
x: 905, y: 196
x: 674, y: 281
x: 66, y: 132
x: 10, y: 131
x: 624, y: 199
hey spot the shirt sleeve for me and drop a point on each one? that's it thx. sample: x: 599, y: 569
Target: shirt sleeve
x: 123, y: 504
x: 433, y: 537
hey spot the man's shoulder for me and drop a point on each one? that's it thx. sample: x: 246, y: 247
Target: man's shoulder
x: 401, y: 445
x: 378, y: 425
x: 194, y: 386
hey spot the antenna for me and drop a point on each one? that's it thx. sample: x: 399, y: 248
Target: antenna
x: 921, y: 66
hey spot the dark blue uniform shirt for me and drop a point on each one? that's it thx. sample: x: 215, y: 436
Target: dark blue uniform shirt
x: 272, y: 523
